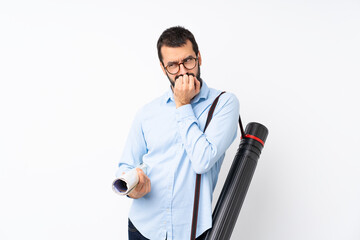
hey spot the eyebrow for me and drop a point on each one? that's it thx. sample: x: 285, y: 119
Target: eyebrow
x: 182, y: 60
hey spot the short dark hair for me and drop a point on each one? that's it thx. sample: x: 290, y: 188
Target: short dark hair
x: 176, y: 37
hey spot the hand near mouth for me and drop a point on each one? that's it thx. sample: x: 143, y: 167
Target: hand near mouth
x: 186, y: 88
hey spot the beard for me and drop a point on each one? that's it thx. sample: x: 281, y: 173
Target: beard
x: 177, y: 76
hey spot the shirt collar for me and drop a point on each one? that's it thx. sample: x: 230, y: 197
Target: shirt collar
x: 203, y: 94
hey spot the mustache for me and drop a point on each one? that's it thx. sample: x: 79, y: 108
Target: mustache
x: 189, y: 74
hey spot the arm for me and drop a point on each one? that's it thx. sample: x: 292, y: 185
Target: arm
x: 133, y: 152
x: 204, y: 149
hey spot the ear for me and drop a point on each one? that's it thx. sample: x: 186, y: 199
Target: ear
x: 162, y: 67
x: 199, y: 57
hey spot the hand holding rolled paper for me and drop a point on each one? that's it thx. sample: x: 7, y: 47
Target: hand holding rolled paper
x: 134, y: 183
x: 142, y: 188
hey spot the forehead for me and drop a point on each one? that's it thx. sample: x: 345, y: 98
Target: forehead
x: 175, y: 54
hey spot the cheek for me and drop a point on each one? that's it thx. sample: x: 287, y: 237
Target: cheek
x: 172, y: 78
x: 195, y: 71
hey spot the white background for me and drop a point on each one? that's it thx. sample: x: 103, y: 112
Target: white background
x: 73, y: 73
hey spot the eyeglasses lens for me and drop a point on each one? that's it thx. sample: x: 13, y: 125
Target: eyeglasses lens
x: 175, y: 67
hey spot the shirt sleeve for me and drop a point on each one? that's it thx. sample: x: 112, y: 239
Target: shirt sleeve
x: 135, y: 148
x: 204, y: 149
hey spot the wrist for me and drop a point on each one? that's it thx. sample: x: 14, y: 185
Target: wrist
x: 181, y: 103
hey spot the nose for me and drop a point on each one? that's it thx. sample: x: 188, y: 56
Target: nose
x: 182, y: 70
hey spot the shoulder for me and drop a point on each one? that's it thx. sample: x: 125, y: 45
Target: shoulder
x: 151, y: 108
x: 228, y: 99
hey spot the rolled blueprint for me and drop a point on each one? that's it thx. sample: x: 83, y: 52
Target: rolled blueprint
x: 127, y: 182
x: 237, y: 182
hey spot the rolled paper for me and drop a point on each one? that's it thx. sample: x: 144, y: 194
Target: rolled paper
x: 127, y: 182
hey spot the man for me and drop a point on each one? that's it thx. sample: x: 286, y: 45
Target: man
x: 167, y: 134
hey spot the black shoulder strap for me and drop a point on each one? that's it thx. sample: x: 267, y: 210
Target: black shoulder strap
x: 198, y: 176
x: 211, y: 111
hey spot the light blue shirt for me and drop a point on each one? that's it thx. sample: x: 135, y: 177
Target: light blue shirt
x: 171, y: 142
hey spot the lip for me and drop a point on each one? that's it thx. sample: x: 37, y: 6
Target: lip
x: 189, y: 74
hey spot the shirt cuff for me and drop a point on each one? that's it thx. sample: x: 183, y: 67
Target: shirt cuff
x: 185, y: 112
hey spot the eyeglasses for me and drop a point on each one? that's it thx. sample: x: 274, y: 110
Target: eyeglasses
x: 188, y: 63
